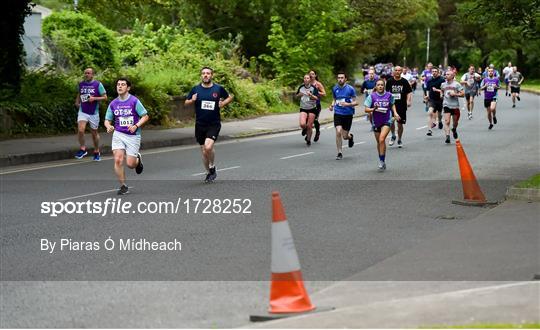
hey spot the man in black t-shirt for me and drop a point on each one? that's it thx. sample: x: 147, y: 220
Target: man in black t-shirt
x: 402, y: 92
x: 434, y: 100
x: 209, y: 98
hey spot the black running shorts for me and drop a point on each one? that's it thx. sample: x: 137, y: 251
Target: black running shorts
x: 435, y: 105
x: 203, y: 132
x: 487, y: 103
x: 345, y: 121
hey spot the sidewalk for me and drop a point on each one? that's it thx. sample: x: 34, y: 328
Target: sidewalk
x: 33, y: 150
x: 478, y: 273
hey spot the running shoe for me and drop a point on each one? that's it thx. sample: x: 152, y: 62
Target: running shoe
x: 490, y: 126
x: 429, y: 133
x: 519, y: 99
x: 494, y: 120
x: 399, y: 144
x: 454, y: 133
x: 506, y: 94
x: 304, y: 131
x: 206, y: 179
x: 339, y: 156
x: 81, y: 153
x: 351, y: 140
x: 308, y: 143
x: 212, y: 174
x: 382, y: 165
x: 440, y: 125
x: 123, y: 190
x: 317, y: 135
x: 513, y: 105
x: 97, y: 157
x: 392, y: 140
x: 139, y: 168
x: 433, y: 125
x: 469, y: 115
x: 447, y: 141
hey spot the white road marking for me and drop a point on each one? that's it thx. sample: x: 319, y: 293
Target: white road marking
x: 299, y: 155
x: 419, y: 128
x: 91, y: 194
x: 33, y: 168
x: 218, y: 170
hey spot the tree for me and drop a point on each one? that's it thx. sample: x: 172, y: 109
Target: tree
x: 503, y: 31
x: 77, y: 41
x: 12, y: 51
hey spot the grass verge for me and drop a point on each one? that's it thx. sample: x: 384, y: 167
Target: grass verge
x: 533, y: 182
x: 531, y: 85
x: 490, y: 326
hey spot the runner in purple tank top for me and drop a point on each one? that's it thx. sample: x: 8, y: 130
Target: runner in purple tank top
x: 90, y: 92
x: 381, y: 105
x: 491, y: 85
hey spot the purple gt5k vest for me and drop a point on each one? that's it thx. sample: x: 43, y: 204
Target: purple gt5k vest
x: 87, y: 89
x: 383, y: 113
x: 125, y: 114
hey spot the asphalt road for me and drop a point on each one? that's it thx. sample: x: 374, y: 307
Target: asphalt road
x: 345, y: 217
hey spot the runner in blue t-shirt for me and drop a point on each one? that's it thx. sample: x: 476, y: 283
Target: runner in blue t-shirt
x: 208, y: 98
x: 343, y: 107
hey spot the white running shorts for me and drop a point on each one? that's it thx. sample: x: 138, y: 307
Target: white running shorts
x: 92, y: 119
x: 129, y: 143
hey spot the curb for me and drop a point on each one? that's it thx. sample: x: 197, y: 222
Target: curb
x: 523, y: 194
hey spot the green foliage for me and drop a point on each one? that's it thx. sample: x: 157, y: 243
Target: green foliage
x: 305, y: 40
x: 44, y: 105
x: 144, y: 41
x: 78, y: 41
x: 12, y: 51
x: 120, y: 15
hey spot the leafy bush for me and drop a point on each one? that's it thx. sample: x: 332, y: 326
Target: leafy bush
x: 163, y: 62
x: 44, y: 105
x: 78, y: 41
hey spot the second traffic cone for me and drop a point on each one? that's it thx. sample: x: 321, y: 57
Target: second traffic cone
x: 471, y: 189
x: 287, y: 291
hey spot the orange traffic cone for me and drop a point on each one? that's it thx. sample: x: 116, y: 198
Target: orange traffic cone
x: 287, y: 291
x: 472, y: 194
x: 288, y: 296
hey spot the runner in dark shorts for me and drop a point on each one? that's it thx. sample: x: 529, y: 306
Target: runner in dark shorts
x: 322, y: 93
x: 308, y: 95
x: 381, y: 105
x: 343, y: 106
x: 434, y: 100
x: 209, y: 98
x: 490, y: 85
x: 402, y: 92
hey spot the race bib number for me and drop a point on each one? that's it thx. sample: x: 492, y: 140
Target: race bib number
x: 85, y: 97
x: 470, y: 82
x: 397, y: 96
x: 305, y: 99
x: 125, y: 121
x: 491, y: 88
x: 383, y: 110
x: 340, y: 101
x: 208, y: 105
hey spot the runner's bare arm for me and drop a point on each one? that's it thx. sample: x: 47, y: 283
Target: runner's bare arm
x: 226, y: 101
